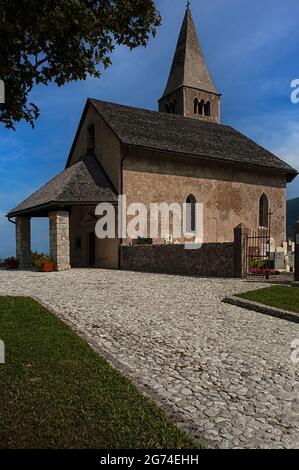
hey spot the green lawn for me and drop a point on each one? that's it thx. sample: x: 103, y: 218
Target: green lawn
x: 283, y: 297
x: 56, y: 392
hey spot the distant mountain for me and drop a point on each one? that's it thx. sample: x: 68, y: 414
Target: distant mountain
x: 292, y: 215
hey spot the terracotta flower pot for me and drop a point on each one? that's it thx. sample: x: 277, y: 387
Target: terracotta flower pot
x: 47, y: 267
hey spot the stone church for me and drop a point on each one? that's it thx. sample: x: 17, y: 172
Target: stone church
x: 182, y: 153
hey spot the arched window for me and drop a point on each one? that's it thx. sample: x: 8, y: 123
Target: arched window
x: 90, y: 139
x: 195, y: 106
x: 174, y: 107
x: 264, y: 211
x: 201, y: 106
x: 191, y: 214
x: 167, y: 108
x: 208, y: 108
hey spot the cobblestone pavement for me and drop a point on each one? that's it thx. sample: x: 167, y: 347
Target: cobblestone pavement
x: 222, y: 373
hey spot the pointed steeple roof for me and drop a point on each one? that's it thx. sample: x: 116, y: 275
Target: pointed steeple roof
x: 189, y: 67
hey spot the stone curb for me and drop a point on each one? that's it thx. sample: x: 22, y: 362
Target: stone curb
x: 260, y: 308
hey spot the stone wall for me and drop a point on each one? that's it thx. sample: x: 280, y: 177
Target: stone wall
x: 230, y: 195
x: 107, y: 146
x: 23, y: 242
x: 213, y: 259
x: 60, y: 239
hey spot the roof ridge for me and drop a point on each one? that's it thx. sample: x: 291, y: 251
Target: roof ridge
x: 162, y: 114
x: 186, y: 136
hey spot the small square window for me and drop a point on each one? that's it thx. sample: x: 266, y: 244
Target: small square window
x: 91, y: 139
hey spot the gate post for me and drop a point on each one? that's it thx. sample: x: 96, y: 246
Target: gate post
x: 240, y: 254
x: 297, y: 251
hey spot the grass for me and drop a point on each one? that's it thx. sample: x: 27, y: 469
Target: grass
x: 284, y: 297
x: 56, y: 392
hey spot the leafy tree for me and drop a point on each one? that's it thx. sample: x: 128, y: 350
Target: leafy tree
x: 63, y: 40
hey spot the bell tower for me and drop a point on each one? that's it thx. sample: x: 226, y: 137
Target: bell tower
x: 190, y: 90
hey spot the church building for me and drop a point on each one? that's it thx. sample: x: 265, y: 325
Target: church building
x: 180, y: 153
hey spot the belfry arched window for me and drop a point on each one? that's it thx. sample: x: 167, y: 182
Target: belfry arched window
x: 201, y: 106
x: 208, y: 108
x: 264, y: 211
x: 191, y: 214
x: 195, y: 106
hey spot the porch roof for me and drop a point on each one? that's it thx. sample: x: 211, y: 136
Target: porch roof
x: 83, y: 183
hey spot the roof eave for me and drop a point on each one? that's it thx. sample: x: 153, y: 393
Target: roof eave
x: 289, y: 173
x: 168, y: 93
x: 52, y: 206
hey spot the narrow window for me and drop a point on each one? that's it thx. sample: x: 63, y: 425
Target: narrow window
x: 264, y: 211
x: 91, y: 139
x: 201, y: 107
x: 191, y: 214
x: 208, y: 108
x: 195, y: 106
x: 167, y: 107
x: 174, y: 107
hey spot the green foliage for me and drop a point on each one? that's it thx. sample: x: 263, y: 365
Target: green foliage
x: 56, y: 392
x: 62, y: 41
x: 11, y: 263
x: 284, y: 297
x: 257, y: 263
x: 40, y: 258
x: 12, y: 258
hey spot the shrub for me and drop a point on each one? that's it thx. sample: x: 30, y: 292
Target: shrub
x: 40, y: 258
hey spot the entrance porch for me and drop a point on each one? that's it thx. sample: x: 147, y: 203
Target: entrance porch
x: 69, y: 202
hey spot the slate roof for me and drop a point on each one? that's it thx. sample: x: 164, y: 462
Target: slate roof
x: 83, y: 182
x: 189, y: 67
x: 187, y: 136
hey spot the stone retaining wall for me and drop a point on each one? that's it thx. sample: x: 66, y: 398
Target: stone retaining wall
x: 212, y: 259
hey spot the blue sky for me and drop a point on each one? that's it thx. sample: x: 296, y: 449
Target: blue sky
x: 251, y: 48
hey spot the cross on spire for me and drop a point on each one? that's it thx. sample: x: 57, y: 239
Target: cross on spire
x: 188, y: 4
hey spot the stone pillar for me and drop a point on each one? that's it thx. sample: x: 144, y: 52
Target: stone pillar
x: 297, y: 251
x: 60, y: 240
x: 240, y: 262
x: 23, y: 242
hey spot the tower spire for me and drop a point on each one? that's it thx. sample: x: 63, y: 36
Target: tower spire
x: 190, y: 79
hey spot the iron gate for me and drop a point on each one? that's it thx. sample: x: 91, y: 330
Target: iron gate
x: 258, y: 252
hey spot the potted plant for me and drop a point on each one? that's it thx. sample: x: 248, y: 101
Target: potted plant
x: 12, y: 263
x: 43, y: 262
x: 47, y: 266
